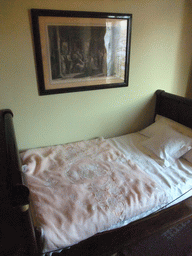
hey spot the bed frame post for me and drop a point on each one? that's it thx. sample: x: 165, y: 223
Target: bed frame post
x: 14, y: 194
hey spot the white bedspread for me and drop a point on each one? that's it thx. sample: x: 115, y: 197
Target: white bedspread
x: 83, y: 188
x: 176, y: 179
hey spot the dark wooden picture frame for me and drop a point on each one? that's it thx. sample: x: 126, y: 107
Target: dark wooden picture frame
x: 79, y: 51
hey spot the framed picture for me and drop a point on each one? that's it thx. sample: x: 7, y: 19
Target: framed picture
x: 78, y: 51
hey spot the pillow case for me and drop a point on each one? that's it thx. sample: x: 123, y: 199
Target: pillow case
x: 153, y: 129
x: 175, y: 125
x: 156, y: 127
x: 168, y: 144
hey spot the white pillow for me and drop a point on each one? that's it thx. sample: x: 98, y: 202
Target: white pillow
x: 156, y: 127
x: 153, y: 129
x: 168, y: 144
x: 175, y: 125
x: 188, y: 156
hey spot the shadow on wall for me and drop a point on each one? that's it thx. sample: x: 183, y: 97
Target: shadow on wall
x: 145, y: 116
x: 189, y: 85
x: 181, y: 82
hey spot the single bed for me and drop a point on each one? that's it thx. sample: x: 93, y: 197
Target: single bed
x: 93, y: 211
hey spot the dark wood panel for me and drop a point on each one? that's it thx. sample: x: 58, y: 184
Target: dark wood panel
x: 174, y: 107
x: 16, y: 229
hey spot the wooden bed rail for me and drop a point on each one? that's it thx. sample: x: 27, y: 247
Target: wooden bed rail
x: 14, y: 194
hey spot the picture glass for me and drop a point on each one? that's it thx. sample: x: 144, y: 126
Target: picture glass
x: 80, y: 52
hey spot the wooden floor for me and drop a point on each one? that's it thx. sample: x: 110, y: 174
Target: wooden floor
x: 176, y: 241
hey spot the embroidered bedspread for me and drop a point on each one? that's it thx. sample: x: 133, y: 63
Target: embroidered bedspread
x: 83, y: 188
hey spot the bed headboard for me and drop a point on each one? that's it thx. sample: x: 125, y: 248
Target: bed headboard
x: 174, y: 107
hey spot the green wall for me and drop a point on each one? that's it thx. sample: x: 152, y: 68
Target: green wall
x: 161, y: 50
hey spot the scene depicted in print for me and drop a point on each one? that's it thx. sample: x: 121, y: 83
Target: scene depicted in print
x: 87, y: 51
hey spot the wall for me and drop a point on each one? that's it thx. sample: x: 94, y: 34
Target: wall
x: 161, y: 51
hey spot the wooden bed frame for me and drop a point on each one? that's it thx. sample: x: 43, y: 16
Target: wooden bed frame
x: 15, y: 219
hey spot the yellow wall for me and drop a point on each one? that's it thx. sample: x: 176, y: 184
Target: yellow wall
x: 161, y: 50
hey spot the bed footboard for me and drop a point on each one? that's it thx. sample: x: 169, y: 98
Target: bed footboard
x: 16, y: 226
